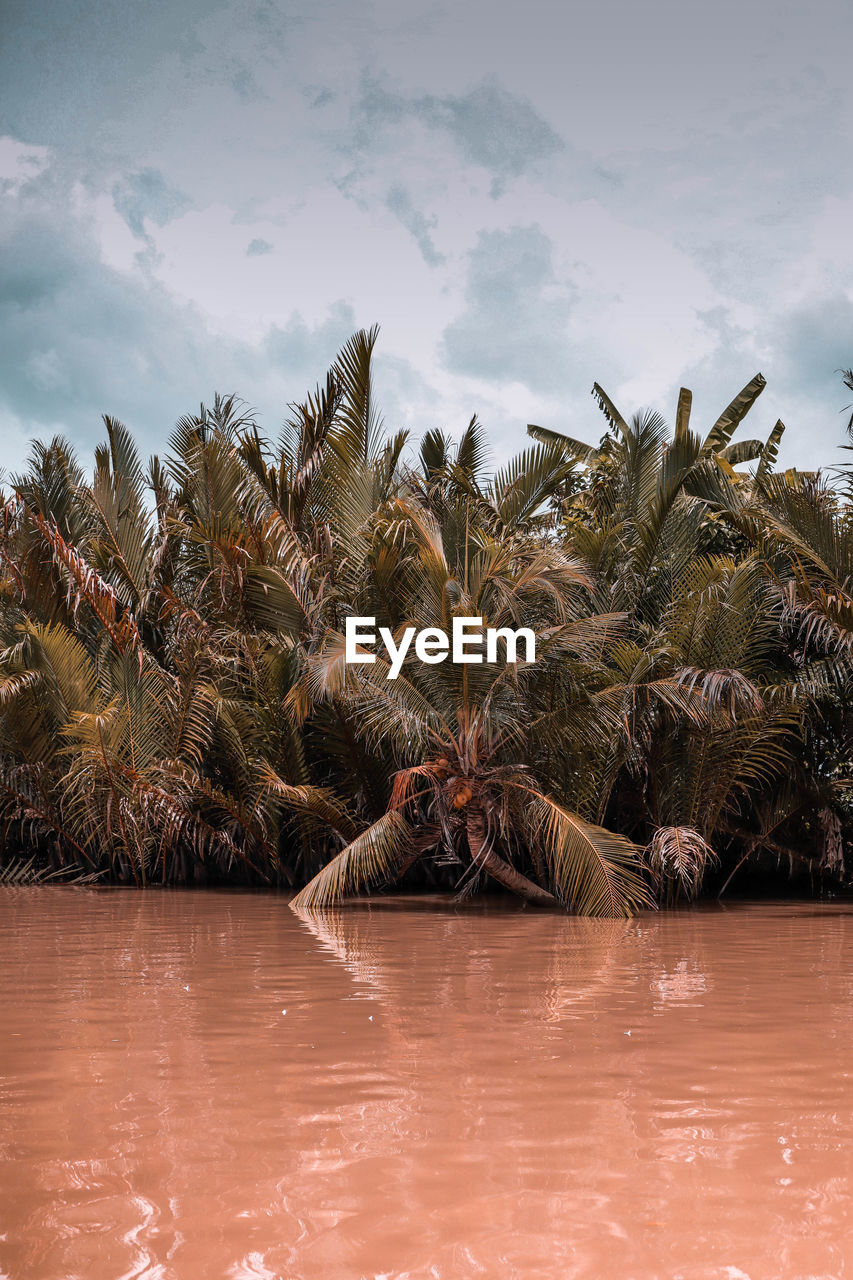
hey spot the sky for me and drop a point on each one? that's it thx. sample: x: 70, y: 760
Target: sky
x: 526, y: 197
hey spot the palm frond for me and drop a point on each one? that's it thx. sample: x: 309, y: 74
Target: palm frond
x: 366, y: 861
x: 732, y: 416
x: 679, y: 857
x: 595, y: 871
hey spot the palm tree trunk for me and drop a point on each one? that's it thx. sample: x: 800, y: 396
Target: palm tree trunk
x: 485, y: 857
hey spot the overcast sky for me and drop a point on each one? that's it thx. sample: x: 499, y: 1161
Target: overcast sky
x: 527, y: 197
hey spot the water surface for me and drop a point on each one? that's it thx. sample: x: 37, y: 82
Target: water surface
x: 200, y: 1085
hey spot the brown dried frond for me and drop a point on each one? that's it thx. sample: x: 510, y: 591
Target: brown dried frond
x: 84, y: 583
x: 832, y: 857
x: 679, y: 856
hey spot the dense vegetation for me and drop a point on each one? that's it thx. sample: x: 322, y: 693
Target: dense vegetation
x: 175, y: 705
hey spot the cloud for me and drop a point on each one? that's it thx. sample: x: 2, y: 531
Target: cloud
x: 490, y: 127
x: 79, y: 339
x: 799, y: 350
x: 146, y: 196
x: 304, y: 352
x: 514, y: 325
x: 245, y: 85
x: 814, y: 342
x: 258, y: 247
x: 806, y: 348
x: 400, y: 204
x: 19, y: 165
x: 65, y: 69
x: 193, y: 129
x: 493, y: 128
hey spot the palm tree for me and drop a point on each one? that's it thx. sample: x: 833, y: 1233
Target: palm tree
x: 462, y: 734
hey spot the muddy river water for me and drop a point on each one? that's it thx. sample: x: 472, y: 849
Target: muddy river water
x: 202, y: 1086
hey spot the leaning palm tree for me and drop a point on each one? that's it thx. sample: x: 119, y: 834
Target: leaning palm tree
x: 466, y: 737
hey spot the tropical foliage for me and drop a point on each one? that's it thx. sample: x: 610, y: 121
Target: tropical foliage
x: 175, y: 705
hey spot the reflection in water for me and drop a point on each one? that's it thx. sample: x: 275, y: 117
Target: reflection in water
x: 201, y: 1085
